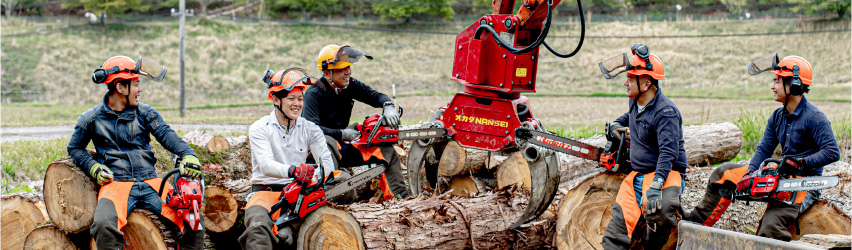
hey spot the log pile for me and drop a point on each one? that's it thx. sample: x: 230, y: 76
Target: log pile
x: 20, y: 213
x: 212, y: 143
x: 46, y: 236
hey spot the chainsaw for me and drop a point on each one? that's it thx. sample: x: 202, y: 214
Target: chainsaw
x: 614, y: 157
x: 376, y: 131
x: 186, y: 196
x: 767, y: 184
x: 298, y: 199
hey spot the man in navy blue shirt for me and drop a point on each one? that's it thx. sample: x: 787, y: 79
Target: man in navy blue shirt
x: 657, y: 156
x: 807, y: 144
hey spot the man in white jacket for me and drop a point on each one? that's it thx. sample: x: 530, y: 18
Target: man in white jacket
x: 280, y: 145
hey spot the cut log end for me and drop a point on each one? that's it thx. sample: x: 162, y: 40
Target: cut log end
x: 146, y: 230
x: 46, y: 237
x: 463, y: 186
x: 329, y: 228
x: 220, y: 209
x: 514, y: 170
x: 19, y: 215
x: 821, y: 218
x: 217, y: 143
x: 452, y: 160
x: 70, y: 196
x: 585, y: 211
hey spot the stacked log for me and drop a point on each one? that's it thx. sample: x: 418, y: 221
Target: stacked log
x: 47, y: 237
x: 20, y: 213
x: 146, y: 230
x: 70, y: 195
x: 211, y: 143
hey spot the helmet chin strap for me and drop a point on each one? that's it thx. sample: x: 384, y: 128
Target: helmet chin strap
x: 636, y: 101
x: 289, y: 120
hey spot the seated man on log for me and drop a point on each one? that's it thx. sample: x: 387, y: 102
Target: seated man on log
x: 657, y: 156
x: 329, y: 105
x: 120, y: 128
x: 280, y: 145
x: 807, y: 145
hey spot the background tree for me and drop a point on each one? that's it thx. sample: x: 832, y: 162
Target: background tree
x: 405, y: 9
x: 204, y: 4
x: 822, y: 6
x: 307, y: 8
x: 9, y: 5
x: 111, y: 7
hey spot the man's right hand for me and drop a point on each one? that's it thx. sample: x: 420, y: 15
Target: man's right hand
x: 350, y: 133
x: 745, y: 183
x: 616, y: 129
x: 302, y: 173
x: 101, y: 173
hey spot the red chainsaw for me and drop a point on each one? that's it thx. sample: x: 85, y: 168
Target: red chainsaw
x: 185, y: 197
x: 766, y: 184
x: 614, y: 157
x: 374, y: 131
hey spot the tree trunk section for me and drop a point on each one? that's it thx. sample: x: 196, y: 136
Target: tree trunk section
x: 710, y: 144
x: 217, y: 143
x: 452, y: 223
x: 457, y: 160
x: 47, y: 237
x: 19, y: 215
x: 330, y: 228
x: 515, y: 170
x: 70, y: 196
x: 585, y: 211
x: 822, y: 217
x: 220, y: 209
x: 146, y: 230
x: 468, y: 186
x: 826, y: 241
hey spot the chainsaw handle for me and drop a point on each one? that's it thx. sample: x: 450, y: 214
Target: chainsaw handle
x: 767, y: 161
x: 166, y: 178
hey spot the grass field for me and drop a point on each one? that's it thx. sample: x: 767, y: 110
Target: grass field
x: 225, y: 59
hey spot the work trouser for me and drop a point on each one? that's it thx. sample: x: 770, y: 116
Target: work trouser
x: 107, y: 224
x: 261, y: 232
x: 627, y: 212
x: 720, y: 192
x: 353, y: 157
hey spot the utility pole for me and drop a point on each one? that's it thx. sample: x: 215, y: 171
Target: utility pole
x: 182, y: 49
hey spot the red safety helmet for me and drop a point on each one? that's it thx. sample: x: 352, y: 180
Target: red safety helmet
x: 645, y: 63
x: 286, y: 80
x: 117, y: 67
x: 785, y: 69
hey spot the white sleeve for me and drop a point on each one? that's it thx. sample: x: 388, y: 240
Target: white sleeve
x: 261, y: 150
x: 320, y: 151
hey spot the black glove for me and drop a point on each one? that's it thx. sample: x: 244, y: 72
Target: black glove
x: 615, y: 131
x: 390, y: 114
x: 652, y: 203
x: 790, y: 166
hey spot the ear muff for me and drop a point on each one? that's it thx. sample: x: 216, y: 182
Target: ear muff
x: 796, y: 86
x: 324, y: 65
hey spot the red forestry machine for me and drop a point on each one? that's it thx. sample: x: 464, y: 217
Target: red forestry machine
x: 496, y: 61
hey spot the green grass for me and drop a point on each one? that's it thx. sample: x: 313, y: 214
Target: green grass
x: 27, y: 160
x: 752, y: 125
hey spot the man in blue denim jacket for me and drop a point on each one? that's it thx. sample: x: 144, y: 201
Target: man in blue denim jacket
x: 120, y: 128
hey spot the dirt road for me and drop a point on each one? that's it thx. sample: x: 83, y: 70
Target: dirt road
x: 11, y: 134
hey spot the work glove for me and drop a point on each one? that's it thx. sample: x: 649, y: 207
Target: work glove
x: 616, y: 130
x: 101, y: 173
x: 790, y: 166
x: 350, y: 133
x: 302, y: 173
x: 652, y: 203
x: 744, y: 184
x: 391, y: 116
x: 190, y: 167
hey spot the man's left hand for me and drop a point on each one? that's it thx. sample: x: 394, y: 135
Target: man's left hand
x: 652, y: 203
x: 190, y: 166
x: 790, y: 166
x: 390, y: 114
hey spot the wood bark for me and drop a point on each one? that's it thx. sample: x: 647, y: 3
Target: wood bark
x: 220, y: 209
x: 20, y: 213
x: 515, y: 170
x: 822, y: 217
x: 70, y: 196
x: 330, y: 228
x: 453, y: 223
x: 146, y: 230
x: 585, y: 211
x: 826, y: 241
x: 46, y: 237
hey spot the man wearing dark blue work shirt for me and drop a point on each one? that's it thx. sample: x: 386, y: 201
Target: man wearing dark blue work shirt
x: 656, y: 155
x: 807, y: 144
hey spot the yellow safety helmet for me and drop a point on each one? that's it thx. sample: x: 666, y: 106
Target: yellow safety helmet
x: 338, y: 57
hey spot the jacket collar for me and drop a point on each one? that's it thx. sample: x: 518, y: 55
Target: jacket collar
x: 801, y: 107
x: 107, y: 109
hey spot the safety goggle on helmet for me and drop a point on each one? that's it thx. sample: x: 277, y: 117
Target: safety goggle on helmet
x: 642, y: 63
x: 119, y: 67
x: 344, y: 57
x: 287, y: 80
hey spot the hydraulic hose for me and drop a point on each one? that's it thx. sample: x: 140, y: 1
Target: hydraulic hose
x: 512, y: 49
x: 582, y: 36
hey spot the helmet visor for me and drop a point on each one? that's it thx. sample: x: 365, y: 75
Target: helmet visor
x: 613, y: 66
x: 151, y: 69
x: 760, y: 65
x: 347, y: 54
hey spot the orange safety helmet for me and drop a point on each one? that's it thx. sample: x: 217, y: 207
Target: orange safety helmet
x: 338, y: 57
x: 117, y: 67
x: 785, y: 69
x: 286, y: 80
x: 637, y: 67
